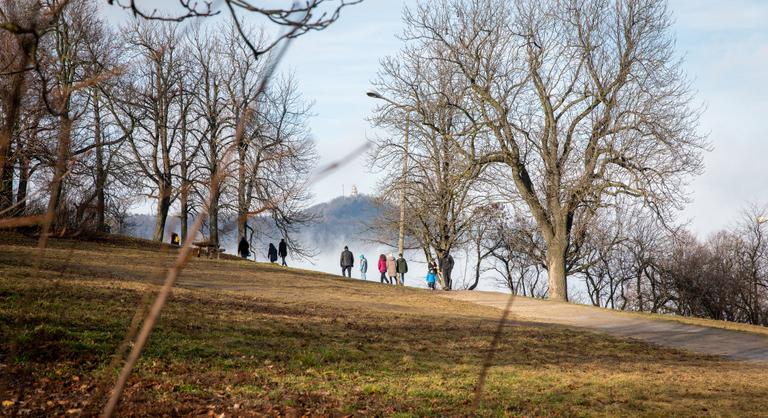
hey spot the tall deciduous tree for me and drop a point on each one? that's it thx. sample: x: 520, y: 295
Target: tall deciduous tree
x: 157, y: 85
x: 278, y: 158
x: 21, y: 23
x: 582, y: 101
x: 216, y: 122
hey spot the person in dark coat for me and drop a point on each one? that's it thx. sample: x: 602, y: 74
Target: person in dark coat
x: 402, y: 267
x: 347, y: 261
x: 282, y: 250
x: 446, y: 266
x: 272, y: 253
x: 243, y: 248
x: 383, y: 268
x: 175, y: 239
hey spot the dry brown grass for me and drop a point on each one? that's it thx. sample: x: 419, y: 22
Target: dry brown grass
x: 244, y: 338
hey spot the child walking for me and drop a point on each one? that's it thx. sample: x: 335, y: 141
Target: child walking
x: 432, y: 275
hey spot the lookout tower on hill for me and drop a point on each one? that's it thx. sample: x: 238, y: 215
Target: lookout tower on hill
x: 353, y: 191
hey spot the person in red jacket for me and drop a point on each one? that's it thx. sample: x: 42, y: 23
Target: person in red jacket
x: 383, y: 268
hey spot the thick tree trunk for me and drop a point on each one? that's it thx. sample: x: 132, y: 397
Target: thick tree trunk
x: 12, y: 108
x: 213, y: 217
x: 6, y: 181
x: 756, y: 300
x: 163, y: 206
x: 184, y: 165
x: 62, y: 158
x: 184, y: 206
x: 242, y: 204
x: 21, y: 192
x: 558, y: 287
x: 508, y: 277
x: 477, y: 269
x: 445, y: 282
x: 100, y: 172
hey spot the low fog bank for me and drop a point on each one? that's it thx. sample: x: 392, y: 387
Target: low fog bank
x: 328, y: 262
x: 343, y: 221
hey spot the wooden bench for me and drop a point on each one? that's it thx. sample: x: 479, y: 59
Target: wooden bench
x: 208, y: 248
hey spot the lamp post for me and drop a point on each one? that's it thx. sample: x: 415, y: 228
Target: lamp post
x: 401, y: 236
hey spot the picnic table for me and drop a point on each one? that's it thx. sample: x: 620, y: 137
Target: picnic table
x: 208, y: 248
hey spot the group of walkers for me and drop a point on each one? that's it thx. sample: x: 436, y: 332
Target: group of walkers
x: 244, y: 250
x: 393, y: 269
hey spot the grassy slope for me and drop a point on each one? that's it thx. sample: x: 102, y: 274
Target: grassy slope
x: 244, y: 338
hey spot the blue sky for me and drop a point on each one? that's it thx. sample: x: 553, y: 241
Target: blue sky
x: 724, y: 44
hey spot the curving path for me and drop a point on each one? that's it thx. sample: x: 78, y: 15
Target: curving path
x: 740, y: 345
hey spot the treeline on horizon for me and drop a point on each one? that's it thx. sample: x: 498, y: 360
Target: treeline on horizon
x: 184, y: 116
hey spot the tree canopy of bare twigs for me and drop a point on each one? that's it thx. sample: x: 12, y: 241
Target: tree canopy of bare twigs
x: 580, y: 102
x: 442, y: 200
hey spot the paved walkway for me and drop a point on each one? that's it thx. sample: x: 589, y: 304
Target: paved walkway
x: 699, y: 339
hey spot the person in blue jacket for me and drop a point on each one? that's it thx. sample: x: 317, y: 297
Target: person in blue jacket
x: 432, y: 275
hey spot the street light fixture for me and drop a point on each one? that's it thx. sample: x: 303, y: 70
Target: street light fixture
x: 401, y: 236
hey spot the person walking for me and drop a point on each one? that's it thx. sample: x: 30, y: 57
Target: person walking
x: 363, y: 266
x: 282, y: 251
x: 402, y: 267
x: 432, y: 276
x: 391, y: 269
x: 383, y: 268
x: 346, y: 261
x: 272, y: 253
x: 243, y: 248
x: 446, y: 267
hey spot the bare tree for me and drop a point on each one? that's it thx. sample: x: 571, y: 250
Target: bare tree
x: 442, y: 189
x: 65, y: 80
x: 154, y: 102
x: 480, y: 234
x: 583, y: 101
x: 188, y: 151
x: 752, y: 269
x: 518, y: 253
x: 21, y: 25
x: 278, y: 158
x: 215, y: 119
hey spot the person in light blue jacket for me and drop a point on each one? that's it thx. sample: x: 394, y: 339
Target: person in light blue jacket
x: 363, y: 266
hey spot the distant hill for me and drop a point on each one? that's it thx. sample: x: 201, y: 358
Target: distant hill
x: 343, y: 219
